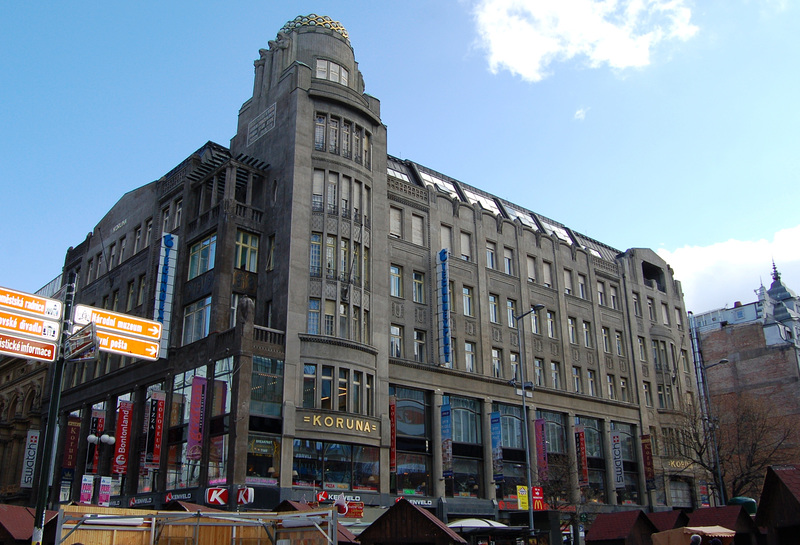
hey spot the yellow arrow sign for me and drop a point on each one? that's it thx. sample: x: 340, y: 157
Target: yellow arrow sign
x: 127, y: 346
x: 30, y: 304
x: 124, y: 324
x: 26, y: 325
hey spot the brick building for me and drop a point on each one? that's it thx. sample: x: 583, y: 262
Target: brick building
x: 325, y: 304
x: 760, y: 341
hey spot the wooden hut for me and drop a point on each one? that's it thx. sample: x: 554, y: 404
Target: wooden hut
x: 621, y: 528
x: 404, y: 523
x: 779, y: 505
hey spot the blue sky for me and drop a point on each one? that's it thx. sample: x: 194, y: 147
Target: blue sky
x: 668, y: 124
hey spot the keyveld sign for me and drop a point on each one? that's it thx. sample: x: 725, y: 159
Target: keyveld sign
x: 122, y: 333
x: 29, y: 325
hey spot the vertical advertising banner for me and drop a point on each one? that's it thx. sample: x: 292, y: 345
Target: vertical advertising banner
x: 522, y: 497
x: 580, y: 447
x: 497, y: 447
x: 71, y: 438
x: 87, y: 489
x: 155, y: 429
x: 447, y: 442
x: 197, y: 414
x: 123, y: 438
x: 165, y: 286
x: 393, y: 431
x: 541, y: 447
x: 104, y: 492
x: 616, y: 458
x: 96, y: 427
x: 29, y: 459
x: 443, y: 310
x: 647, y: 458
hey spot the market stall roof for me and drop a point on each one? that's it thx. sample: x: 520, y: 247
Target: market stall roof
x: 682, y: 536
x: 476, y: 523
x: 18, y: 520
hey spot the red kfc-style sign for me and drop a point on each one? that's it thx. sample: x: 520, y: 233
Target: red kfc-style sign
x: 217, y: 496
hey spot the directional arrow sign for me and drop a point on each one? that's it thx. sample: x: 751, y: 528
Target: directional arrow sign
x: 127, y: 346
x: 30, y: 304
x: 123, y: 324
x: 24, y: 348
x: 31, y: 327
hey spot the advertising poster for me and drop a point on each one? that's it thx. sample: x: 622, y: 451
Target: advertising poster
x: 447, y: 442
x: 71, y: 438
x: 87, y: 489
x: 580, y: 447
x: 522, y: 497
x: 197, y: 411
x: 541, y: 447
x: 616, y: 458
x: 96, y: 427
x: 123, y: 438
x: 393, y: 431
x: 647, y: 457
x: 153, y: 431
x: 29, y: 459
x: 497, y: 447
x: 104, y: 493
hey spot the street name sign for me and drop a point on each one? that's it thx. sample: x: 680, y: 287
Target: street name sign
x: 29, y: 325
x: 127, y: 346
x: 81, y: 341
x: 122, y: 333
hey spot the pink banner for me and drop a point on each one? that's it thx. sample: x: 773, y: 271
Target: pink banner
x: 197, y: 410
x: 87, y: 489
x: 104, y: 493
x: 580, y: 446
x: 157, y: 425
x: 123, y: 442
x: 393, y: 431
x: 541, y: 447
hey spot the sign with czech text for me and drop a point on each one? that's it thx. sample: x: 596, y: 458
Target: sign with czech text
x: 30, y: 304
x: 123, y: 324
x: 127, y: 346
x: 30, y: 349
x: 37, y: 328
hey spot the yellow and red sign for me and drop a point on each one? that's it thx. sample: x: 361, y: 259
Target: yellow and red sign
x: 32, y: 324
x: 121, y: 333
x: 127, y: 346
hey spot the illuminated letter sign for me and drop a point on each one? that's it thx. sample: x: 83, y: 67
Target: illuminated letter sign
x: 443, y: 300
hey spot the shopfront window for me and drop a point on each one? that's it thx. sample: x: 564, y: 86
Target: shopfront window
x: 595, y: 460
x: 266, y: 394
x: 263, y: 460
x: 151, y: 441
x: 186, y: 428
x: 629, y: 494
x: 335, y: 466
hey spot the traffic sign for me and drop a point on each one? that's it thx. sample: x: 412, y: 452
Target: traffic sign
x: 81, y: 341
x: 24, y: 348
x: 32, y: 327
x: 30, y: 304
x: 127, y: 346
x: 123, y: 324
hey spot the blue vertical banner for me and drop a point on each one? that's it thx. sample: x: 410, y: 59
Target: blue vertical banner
x: 497, y: 447
x: 447, y: 442
x: 443, y: 310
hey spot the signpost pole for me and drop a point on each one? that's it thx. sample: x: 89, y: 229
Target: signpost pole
x: 43, y: 478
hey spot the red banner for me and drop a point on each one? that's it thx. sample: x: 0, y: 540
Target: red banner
x: 71, y: 440
x: 157, y: 424
x: 541, y: 447
x: 647, y: 458
x: 197, y: 410
x: 393, y: 429
x: 123, y: 442
x: 97, y: 427
x: 583, y: 466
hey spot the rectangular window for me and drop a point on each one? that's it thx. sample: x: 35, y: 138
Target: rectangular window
x: 130, y: 296
x: 396, y: 341
x: 309, y: 386
x: 469, y: 357
x: 395, y: 222
x: 466, y: 297
x: 196, y: 320
x: 419, y: 287
x: 612, y: 392
x: 551, y: 324
x: 395, y: 281
x: 137, y: 239
x: 330, y: 318
x: 511, y: 310
x: 534, y: 321
x: 577, y: 382
x: 651, y: 309
x: 685, y: 361
x: 271, y: 252
x: 637, y: 304
x: 601, y: 294
x: 508, y: 261
x: 142, y: 290
x: 606, y: 340
x: 466, y: 246
x: 494, y: 315
x: 568, y: 281
x: 582, y: 293
x: 317, y: 185
x: 319, y: 133
x: 313, y: 316
x: 514, y: 361
x: 315, y: 259
x: 614, y: 297
x: 417, y: 230
x: 112, y: 252
x: 555, y: 375
x: 446, y: 238
x: 623, y: 390
x: 642, y: 349
x: 497, y: 363
x: 592, y: 383
x: 419, y: 346
x: 618, y: 341
x: 246, y: 251
x: 587, y: 334
x: 148, y: 233
x: 326, y: 389
x: 491, y: 255
x: 333, y: 135
x: 547, y: 273
x: 344, y: 389
x: 572, y: 328
x: 358, y: 388
x: 665, y: 313
x: 531, y: 261
x: 678, y: 318
x: 202, y: 255
x: 648, y: 394
x: 538, y: 371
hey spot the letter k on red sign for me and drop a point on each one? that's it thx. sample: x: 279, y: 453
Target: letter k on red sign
x: 217, y: 496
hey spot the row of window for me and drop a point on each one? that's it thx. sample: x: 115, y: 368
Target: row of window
x: 344, y: 259
x: 338, y: 389
x: 342, y: 137
x: 117, y: 251
x: 202, y: 254
x: 327, y: 317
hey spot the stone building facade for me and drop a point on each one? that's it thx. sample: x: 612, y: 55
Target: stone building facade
x: 335, y: 315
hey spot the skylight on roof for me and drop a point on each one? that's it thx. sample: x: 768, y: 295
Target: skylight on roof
x: 521, y: 215
x: 557, y: 230
x: 397, y: 174
x: 485, y: 202
x: 440, y: 184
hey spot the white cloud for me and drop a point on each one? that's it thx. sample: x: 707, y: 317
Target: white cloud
x: 718, y: 275
x: 580, y: 115
x: 526, y: 36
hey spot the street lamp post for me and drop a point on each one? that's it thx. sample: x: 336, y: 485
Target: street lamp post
x: 524, y: 386
x: 710, y: 426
